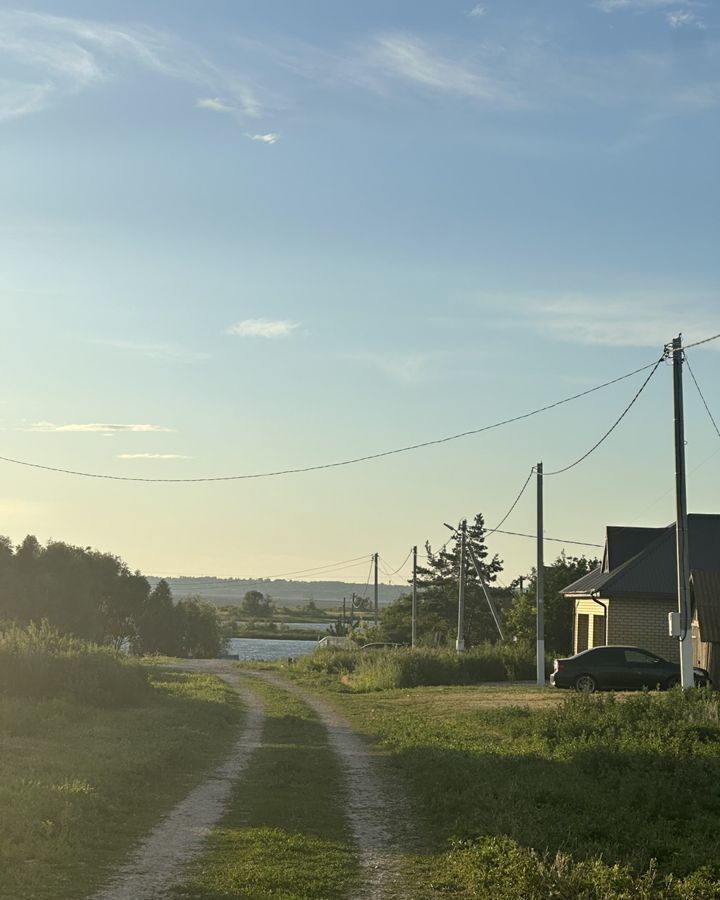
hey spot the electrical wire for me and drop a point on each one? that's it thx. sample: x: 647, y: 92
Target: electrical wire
x: 515, y: 503
x: 555, y: 540
x: 702, y: 397
x: 715, y: 337
x: 401, y: 566
x: 615, y: 424
x: 344, y: 563
x: 334, y: 465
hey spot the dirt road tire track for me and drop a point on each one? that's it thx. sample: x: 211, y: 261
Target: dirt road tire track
x: 159, y: 862
x: 376, y: 810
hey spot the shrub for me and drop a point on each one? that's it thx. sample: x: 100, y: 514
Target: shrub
x: 38, y: 661
x: 330, y: 661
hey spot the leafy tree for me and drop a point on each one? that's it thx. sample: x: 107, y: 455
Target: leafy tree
x: 159, y: 626
x: 256, y: 604
x: 201, y: 631
x: 558, y: 610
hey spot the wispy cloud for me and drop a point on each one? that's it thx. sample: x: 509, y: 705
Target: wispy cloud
x: 477, y: 11
x: 409, y: 59
x: 152, y: 456
x: 215, y: 104
x: 405, y: 368
x: 269, y: 138
x: 633, y: 320
x: 171, y: 352
x: 263, y: 328
x: 96, y: 428
x: 684, y: 19
x: 46, y: 57
x: 637, y: 5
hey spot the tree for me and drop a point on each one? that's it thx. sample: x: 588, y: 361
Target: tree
x: 558, y: 609
x: 438, y: 594
x: 201, y: 631
x: 158, y: 626
x: 257, y: 605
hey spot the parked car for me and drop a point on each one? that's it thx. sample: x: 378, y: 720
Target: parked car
x: 619, y: 669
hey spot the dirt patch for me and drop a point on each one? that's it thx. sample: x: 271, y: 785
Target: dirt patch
x: 159, y: 862
x: 378, y: 814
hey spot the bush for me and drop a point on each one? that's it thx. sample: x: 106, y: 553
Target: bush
x: 38, y: 661
x: 330, y: 661
x: 404, y: 668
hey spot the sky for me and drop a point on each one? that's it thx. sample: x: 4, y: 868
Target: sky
x: 242, y: 236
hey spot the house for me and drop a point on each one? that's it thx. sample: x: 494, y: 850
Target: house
x: 705, y: 591
x: 627, y: 599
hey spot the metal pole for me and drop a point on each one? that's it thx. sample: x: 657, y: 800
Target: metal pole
x: 413, y: 638
x: 681, y: 527
x: 488, y: 599
x: 376, y: 589
x: 343, y: 618
x: 460, y: 641
x: 540, y: 580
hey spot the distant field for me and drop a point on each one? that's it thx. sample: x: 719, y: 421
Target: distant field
x: 230, y: 591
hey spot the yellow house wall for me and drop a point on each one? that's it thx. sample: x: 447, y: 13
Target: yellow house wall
x: 589, y: 608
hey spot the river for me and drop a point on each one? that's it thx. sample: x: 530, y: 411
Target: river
x: 263, y: 648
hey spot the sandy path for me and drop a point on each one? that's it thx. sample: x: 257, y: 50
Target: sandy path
x: 378, y: 815
x: 159, y: 862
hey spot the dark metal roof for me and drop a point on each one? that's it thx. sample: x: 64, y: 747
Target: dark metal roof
x: 706, y: 598
x: 652, y: 572
x: 621, y: 544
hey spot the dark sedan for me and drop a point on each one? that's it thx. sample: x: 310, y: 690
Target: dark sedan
x: 618, y: 669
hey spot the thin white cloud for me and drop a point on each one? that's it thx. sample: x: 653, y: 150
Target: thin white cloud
x: 45, y: 57
x: 477, y: 11
x: 172, y: 352
x: 683, y: 19
x: 96, y: 428
x: 152, y: 456
x: 269, y: 138
x: 263, y: 328
x: 637, y: 5
x: 215, y: 104
x: 409, y: 59
x: 629, y: 321
x: 405, y: 368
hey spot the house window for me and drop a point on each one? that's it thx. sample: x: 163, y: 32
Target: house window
x: 583, y: 625
x: 598, y: 633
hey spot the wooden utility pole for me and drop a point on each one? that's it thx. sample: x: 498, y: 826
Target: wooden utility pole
x: 687, y: 678
x: 375, y: 560
x: 343, y: 618
x: 460, y: 641
x: 413, y: 638
x: 540, y: 580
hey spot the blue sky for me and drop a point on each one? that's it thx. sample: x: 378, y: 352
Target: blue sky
x: 255, y: 235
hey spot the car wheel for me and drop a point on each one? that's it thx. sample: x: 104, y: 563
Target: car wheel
x: 585, y: 684
x: 673, y: 681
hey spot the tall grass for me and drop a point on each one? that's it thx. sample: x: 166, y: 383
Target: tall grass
x: 380, y: 670
x: 37, y: 661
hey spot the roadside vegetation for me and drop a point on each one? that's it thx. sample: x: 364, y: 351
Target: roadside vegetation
x: 285, y: 834
x: 381, y: 670
x: 95, y: 748
x: 525, y: 794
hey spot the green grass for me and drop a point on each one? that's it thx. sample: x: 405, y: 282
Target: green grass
x: 285, y: 835
x: 79, y: 784
x: 382, y: 670
x: 570, y: 800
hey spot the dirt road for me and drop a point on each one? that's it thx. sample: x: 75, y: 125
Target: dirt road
x: 376, y: 813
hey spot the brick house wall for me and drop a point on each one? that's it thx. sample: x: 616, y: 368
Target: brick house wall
x: 643, y: 623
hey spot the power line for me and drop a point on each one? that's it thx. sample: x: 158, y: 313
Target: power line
x: 401, y: 566
x: 334, y: 465
x: 351, y: 563
x: 515, y: 503
x: 715, y: 337
x: 555, y: 540
x: 615, y: 424
x: 702, y: 397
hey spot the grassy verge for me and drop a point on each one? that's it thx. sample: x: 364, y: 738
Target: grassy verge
x: 79, y: 783
x: 525, y: 795
x: 285, y: 836
x: 382, y: 670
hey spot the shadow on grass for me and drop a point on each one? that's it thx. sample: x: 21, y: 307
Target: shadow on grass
x: 629, y: 808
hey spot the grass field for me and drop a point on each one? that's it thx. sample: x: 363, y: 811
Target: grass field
x: 528, y: 794
x: 285, y: 835
x: 79, y: 783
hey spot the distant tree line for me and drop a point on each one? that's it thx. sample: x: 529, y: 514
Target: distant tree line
x: 95, y: 596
